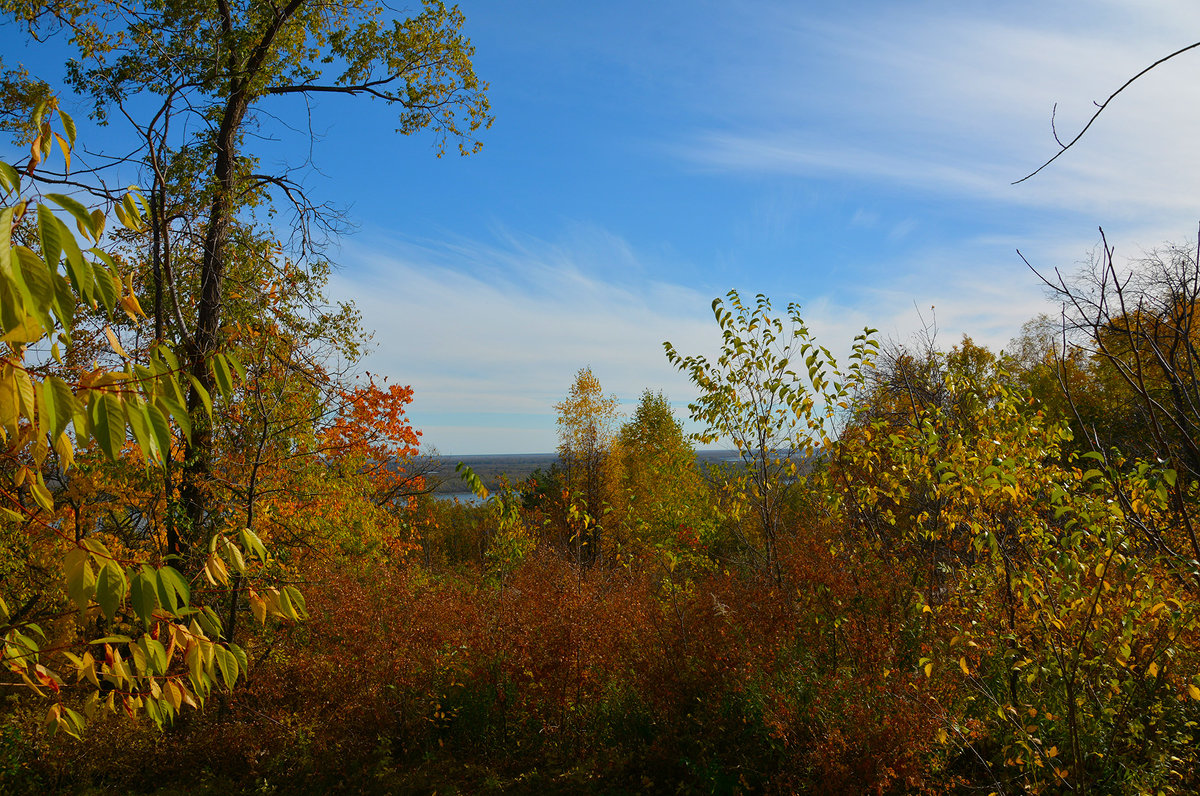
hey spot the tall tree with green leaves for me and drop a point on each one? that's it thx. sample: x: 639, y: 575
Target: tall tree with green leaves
x: 194, y: 79
x: 126, y: 599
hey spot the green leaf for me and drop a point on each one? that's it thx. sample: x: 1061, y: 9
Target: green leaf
x: 139, y: 424
x: 167, y: 355
x: 81, y: 580
x: 240, y: 655
x: 110, y: 589
x: 36, y: 277
x: 65, y: 302
x: 60, y: 404
x: 68, y: 125
x: 173, y: 591
x: 112, y: 640
x: 236, y: 560
x: 220, y: 371
x: 286, y: 607
x: 209, y: 621
x: 82, y: 277
x: 299, y: 606
x: 237, y: 366
x: 160, y: 428
x: 105, y: 286
x: 203, y: 393
x: 156, y: 655
x: 143, y: 594
x: 252, y: 544
x: 6, y: 269
x: 76, y: 209
x: 228, y: 665
x: 169, y: 406
x: 154, y: 712
x: 97, y: 549
x: 108, y: 422
x: 51, y: 236
x: 10, y: 179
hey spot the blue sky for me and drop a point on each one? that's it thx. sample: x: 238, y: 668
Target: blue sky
x: 646, y: 157
x: 853, y: 157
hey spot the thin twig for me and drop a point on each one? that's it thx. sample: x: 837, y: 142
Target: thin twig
x: 1099, y: 110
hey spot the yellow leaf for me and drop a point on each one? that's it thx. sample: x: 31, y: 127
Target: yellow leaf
x: 131, y: 307
x: 1153, y: 669
x: 186, y: 697
x: 115, y: 343
x: 962, y: 664
x: 35, y: 155
x: 98, y: 223
x: 66, y: 151
x: 215, y: 570
x: 26, y: 331
x: 258, y: 607
x: 65, y: 451
x: 174, y: 694
x: 929, y: 669
x: 41, y: 495
x: 52, y: 716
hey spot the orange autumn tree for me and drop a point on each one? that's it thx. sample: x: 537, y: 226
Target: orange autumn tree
x: 268, y: 450
x: 370, y: 447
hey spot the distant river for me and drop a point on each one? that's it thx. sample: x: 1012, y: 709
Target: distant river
x: 470, y: 498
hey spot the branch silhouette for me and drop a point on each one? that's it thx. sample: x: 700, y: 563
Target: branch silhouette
x: 1100, y: 109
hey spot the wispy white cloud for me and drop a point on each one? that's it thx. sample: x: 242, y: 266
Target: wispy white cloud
x: 501, y: 328
x: 930, y: 101
x: 956, y: 103
x: 491, y: 334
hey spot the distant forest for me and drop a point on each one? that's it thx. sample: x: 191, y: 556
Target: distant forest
x: 516, y: 467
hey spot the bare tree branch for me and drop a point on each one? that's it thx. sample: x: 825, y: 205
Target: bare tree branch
x: 1099, y: 110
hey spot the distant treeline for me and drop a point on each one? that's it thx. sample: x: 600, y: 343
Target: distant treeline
x: 519, y: 466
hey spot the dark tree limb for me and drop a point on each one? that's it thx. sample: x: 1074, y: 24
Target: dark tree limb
x: 1100, y: 109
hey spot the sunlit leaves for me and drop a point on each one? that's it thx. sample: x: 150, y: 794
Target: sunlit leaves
x: 1046, y: 599
x: 776, y: 416
x: 40, y: 296
x: 83, y: 217
x: 159, y: 601
x: 111, y: 588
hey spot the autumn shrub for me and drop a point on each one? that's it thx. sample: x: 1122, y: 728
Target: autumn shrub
x: 1059, y: 638
x: 563, y: 679
x: 716, y: 688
